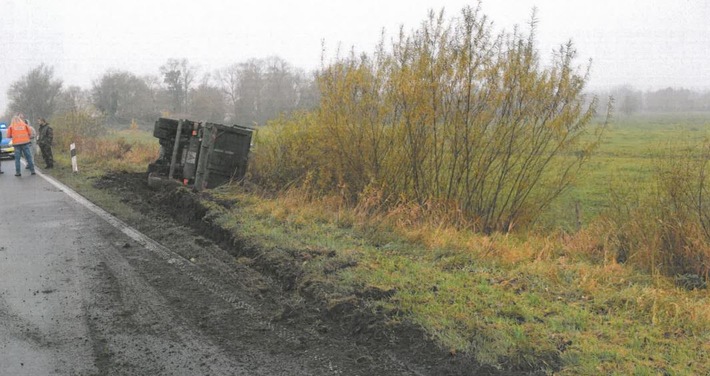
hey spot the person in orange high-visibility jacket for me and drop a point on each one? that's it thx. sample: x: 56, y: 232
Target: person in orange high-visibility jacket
x: 19, y: 132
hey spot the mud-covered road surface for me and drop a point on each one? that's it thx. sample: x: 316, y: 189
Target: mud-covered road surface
x: 82, y: 293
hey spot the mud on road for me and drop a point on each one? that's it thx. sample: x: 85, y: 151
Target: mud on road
x: 255, y: 315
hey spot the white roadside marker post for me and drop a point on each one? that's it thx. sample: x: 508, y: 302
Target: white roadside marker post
x: 74, y: 166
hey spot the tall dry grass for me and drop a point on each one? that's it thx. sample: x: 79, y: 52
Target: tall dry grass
x: 99, y: 148
x: 666, y: 230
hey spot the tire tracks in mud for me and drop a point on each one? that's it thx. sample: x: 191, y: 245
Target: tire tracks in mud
x: 226, y: 285
x: 206, y: 279
x: 273, y: 347
x: 158, y: 336
x: 292, y: 322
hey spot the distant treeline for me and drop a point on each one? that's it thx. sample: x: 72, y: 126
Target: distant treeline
x: 628, y: 101
x: 247, y: 93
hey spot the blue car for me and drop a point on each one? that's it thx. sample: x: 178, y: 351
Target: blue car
x: 6, y: 149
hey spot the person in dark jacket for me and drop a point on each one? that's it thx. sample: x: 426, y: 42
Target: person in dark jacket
x: 45, y: 140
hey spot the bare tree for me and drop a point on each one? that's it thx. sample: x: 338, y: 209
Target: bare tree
x: 207, y: 102
x: 35, y: 93
x: 279, y: 90
x: 259, y: 90
x: 122, y: 96
x: 178, y: 76
x: 74, y: 99
x: 153, y: 83
x: 627, y: 100
x: 228, y: 79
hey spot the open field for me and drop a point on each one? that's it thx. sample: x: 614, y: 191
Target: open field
x: 625, y: 161
x: 526, y: 302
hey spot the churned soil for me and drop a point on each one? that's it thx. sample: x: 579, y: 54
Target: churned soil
x: 257, y: 309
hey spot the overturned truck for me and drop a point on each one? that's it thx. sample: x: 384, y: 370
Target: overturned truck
x: 199, y: 154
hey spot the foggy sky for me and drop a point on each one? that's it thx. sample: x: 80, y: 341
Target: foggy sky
x: 647, y: 44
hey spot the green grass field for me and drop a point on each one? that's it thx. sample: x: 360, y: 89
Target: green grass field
x: 624, y: 162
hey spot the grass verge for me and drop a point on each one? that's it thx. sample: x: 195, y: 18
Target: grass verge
x: 512, y: 302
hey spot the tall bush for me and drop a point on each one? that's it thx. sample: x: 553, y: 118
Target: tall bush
x: 452, y: 114
x: 78, y: 127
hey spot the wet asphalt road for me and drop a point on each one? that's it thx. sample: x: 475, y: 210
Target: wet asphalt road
x: 70, y: 304
x: 41, y: 288
x: 83, y: 294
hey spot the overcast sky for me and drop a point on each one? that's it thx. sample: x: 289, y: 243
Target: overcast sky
x: 649, y: 44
